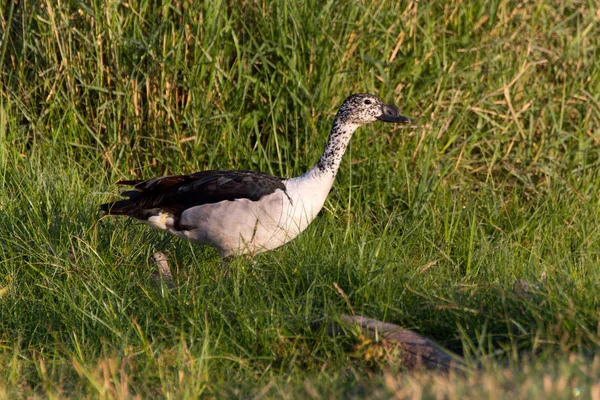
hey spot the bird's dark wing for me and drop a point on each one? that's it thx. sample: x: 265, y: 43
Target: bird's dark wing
x: 174, y: 194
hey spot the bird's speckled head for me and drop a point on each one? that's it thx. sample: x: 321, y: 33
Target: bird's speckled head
x: 364, y: 108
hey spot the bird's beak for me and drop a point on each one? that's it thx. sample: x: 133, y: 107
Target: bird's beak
x: 391, y: 113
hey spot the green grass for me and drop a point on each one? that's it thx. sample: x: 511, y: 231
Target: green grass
x: 428, y: 226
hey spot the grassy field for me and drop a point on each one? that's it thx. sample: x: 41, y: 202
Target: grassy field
x: 435, y: 227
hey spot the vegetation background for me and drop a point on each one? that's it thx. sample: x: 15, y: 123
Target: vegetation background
x: 478, y: 226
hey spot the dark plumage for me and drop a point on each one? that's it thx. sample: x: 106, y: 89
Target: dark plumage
x: 174, y: 194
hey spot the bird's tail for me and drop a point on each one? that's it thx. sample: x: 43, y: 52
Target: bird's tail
x: 128, y: 208
x: 120, y: 207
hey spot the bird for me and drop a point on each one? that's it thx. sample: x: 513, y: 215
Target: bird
x: 242, y: 212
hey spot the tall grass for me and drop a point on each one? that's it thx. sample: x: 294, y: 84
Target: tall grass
x: 434, y: 227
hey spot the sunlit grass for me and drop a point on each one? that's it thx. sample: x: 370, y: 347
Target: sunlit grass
x: 428, y: 226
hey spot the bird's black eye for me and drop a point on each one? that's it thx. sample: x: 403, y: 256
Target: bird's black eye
x: 367, y: 101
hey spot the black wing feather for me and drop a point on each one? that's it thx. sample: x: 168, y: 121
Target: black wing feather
x: 175, y: 194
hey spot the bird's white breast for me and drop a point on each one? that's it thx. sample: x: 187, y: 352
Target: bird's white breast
x: 244, y: 226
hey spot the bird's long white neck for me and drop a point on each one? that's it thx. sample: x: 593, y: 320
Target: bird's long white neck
x: 309, y: 191
x: 328, y: 165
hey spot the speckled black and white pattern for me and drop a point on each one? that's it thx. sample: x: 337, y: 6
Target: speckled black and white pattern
x: 357, y: 110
